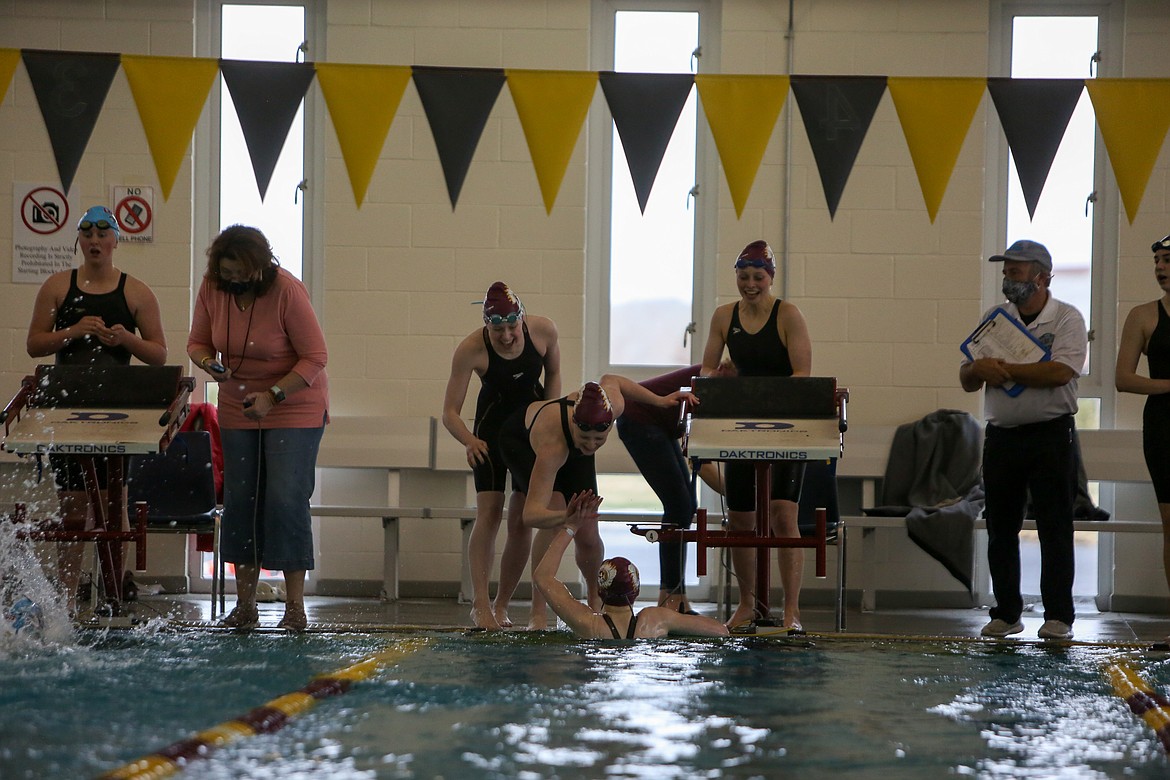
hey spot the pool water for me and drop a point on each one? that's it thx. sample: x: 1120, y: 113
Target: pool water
x: 552, y: 706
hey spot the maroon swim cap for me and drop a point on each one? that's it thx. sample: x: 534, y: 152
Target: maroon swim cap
x: 617, y: 582
x: 501, y: 305
x: 592, y: 410
x: 758, y: 254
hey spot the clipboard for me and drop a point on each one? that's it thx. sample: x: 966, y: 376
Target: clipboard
x: 1004, y: 337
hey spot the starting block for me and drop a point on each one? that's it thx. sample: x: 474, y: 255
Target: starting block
x: 761, y: 420
x: 91, y: 412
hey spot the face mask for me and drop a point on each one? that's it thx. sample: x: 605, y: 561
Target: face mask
x: 1018, y: 292
x: 238, y: 288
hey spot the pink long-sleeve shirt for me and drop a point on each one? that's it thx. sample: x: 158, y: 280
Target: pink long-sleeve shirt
x: 278, y: 333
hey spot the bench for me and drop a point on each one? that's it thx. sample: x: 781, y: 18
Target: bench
x: 390, y: 516
x: 1109, y: 456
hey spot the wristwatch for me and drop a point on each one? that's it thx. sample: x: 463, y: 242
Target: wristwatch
x: 277, y: 394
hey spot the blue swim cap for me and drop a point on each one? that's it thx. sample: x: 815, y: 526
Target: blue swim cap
x: 101, y: 218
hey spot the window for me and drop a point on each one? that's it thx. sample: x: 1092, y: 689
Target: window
x: 641, y: 266
x: 1064, y: 39
x: 652, y: 254
x: 257, y: 31
x: 272, y: 33
x: 1060, y: 47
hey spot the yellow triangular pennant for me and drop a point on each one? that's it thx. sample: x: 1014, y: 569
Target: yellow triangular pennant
x: 741, y: 111
x: 170, y: 93
x: 362, y: 101
x: 936, y: 114
x: 552, y: 106
x: 8, y: 60
x: 1133, y: 120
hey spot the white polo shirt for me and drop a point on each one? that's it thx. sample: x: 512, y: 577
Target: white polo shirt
x: 1061, y: 328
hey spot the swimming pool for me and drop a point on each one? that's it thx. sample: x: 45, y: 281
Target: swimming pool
x: 551, y: 706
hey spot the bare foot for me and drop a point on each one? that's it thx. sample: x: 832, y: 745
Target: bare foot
x: 792, y: 621
x: 538, y: 622
x: 483, y: 618
x: 742, y: 615
x: 501, y: 615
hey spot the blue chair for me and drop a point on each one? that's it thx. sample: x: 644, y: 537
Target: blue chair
x: 178, y: 487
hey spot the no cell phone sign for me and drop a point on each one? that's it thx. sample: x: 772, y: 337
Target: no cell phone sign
x: 134, y: 209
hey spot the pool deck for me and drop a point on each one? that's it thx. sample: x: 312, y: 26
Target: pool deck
x: 358, y: 613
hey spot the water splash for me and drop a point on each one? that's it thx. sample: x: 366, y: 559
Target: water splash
x: 34, y: 610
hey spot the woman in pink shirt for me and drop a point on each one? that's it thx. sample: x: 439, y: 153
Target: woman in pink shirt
x: 255, y: 332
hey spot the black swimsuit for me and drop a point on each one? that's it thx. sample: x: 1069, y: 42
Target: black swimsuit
x: 579, y: 471
x: 613, y: 629
x: 506, y: 385
x: 1156, y: 415
x: 759, y: 354
x: 113, y: 308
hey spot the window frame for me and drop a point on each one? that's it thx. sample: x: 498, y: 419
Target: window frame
x: 1098, y: 383
x: 205, y: 205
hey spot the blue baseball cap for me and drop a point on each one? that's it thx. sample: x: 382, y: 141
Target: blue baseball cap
x: 101, y: 218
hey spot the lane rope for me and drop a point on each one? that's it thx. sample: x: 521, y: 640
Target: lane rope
x: 265, y: 719
x: 1143, y: 701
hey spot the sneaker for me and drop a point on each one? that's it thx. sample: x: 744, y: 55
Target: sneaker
x: 244, y: 616
x: 294, y: 618
x: 1055, y: 629
x: 1000, y: 628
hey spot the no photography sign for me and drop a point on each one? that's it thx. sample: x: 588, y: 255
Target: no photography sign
x: 42, y: 232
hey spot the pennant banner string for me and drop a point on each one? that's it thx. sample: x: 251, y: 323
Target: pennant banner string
x: 741, y: 111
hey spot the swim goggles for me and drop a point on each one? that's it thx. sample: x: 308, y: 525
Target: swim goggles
x: 506, y: 319
x: 597, y: 427
x: 100, y: 217
x: 1163, y: 243
x: 755, y: 263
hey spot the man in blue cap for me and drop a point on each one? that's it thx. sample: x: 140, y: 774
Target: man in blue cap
x: 1030, y: 443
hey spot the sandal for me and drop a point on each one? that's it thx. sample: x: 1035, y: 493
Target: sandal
x: 294, y: 618
x: 244, y: 616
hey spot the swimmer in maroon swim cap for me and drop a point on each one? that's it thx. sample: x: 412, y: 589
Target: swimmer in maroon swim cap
x: 593, y: 412
x: 508, y: 353
x: 617, y: 585
x: 617, y: 582
x: 764, y: 336
x: 549, y: 450
x: 501, y: 305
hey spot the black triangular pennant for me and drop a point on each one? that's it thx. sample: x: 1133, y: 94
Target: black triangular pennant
x: 71, y: 88
x: 457, y: 102
x: 836, y: 111
x: 266, y: 96
x: 1034, y: 114
x: 645, y: 108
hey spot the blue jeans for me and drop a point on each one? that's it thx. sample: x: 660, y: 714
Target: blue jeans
x: 1039, y: 458
x: 268, y: 479
x: 661, y: 462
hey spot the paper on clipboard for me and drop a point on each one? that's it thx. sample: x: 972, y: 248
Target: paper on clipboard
x: 1004, y: 337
